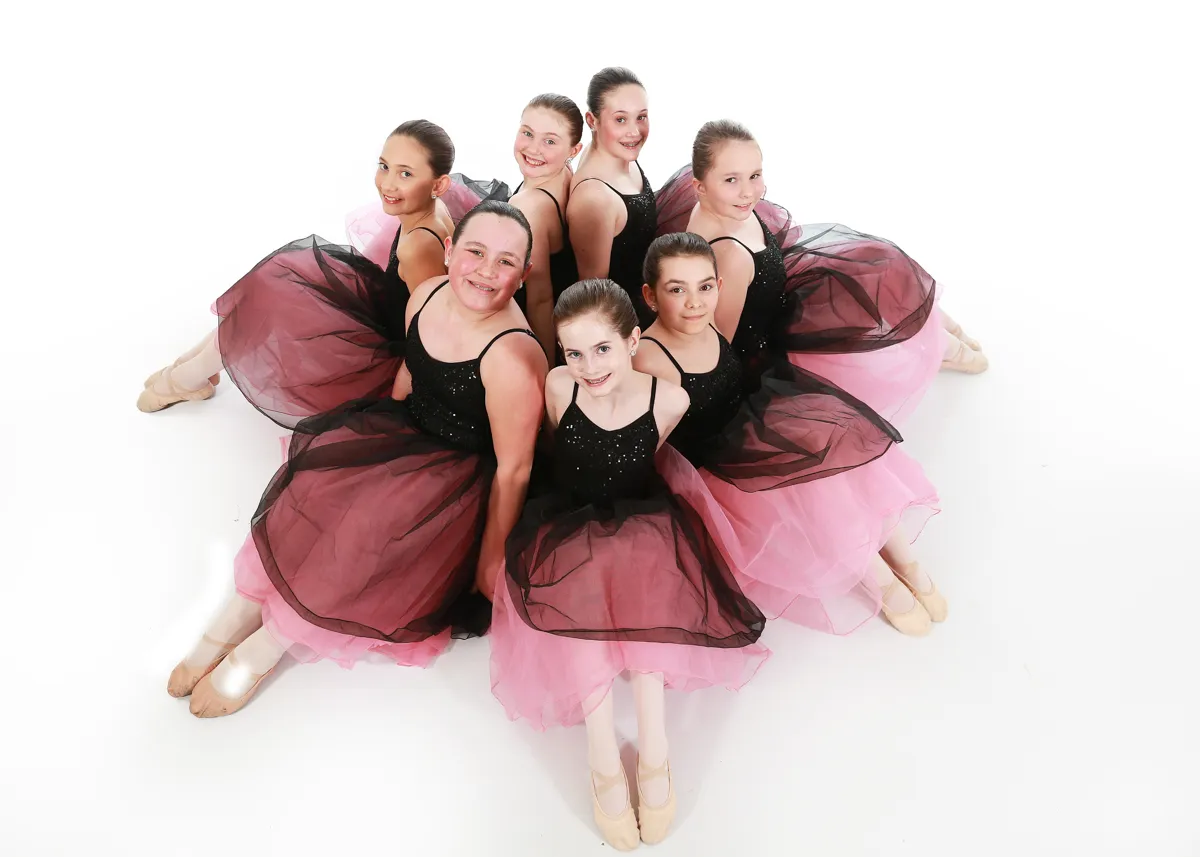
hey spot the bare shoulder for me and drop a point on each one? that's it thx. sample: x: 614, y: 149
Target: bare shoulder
x: 559, y: 387
x: 419, y: 245
x: 420, y: 294
x: 671, y: 402
x: 653, y: 360
x: 733, y: 261
x: 591, y: 199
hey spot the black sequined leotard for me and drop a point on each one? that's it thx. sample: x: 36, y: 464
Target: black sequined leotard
x: 597, y: 466
x: 764, y: 298
x: 448, y: 399
x: 715, y: 397
x: 395, y: 291
x: 629, y: 246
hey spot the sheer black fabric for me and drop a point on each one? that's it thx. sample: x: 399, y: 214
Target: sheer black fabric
x: 613, y: 555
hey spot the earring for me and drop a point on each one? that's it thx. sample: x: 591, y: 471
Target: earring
x: 433, y: 196
x: 653, y: 307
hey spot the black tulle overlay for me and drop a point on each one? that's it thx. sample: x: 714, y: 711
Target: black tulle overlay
x: 847, y: 291
x: 372, y: 527
x: 311, y: 326
x: 613, y: 572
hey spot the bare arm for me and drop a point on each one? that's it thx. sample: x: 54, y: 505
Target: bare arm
x: 652, y: 360
x: 669, y: 407
x: 592, y: 220
x: 514, y: 377
x: 539, y: 291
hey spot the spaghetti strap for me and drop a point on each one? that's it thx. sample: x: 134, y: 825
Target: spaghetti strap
x: 670, y: 356
x: 500, y: 334
x: 575, y: 392
x: 731, y: 238
x: 437, y: 289
x: 562, y: 220
x: 653, y: 390
x: 430, y: 231
x: 603, y: 182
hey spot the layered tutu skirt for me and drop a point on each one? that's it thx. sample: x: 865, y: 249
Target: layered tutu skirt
x: 860, y: 312
x: 367, y: 539
x: 591, y: 592
x: 799, y: 492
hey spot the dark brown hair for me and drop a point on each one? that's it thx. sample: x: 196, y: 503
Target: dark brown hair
x: 599, y: 296
x: 434, y: 140
x: 676, y: 245
x: 605, y: 81
x: 500, y: 209
x: 708, y: 140
x: 564, y: 107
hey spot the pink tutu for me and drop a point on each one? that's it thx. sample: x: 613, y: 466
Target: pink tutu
x: 893, y: 380
x: 802, y: 552
x: 548, y: 679
x: 305, y: 641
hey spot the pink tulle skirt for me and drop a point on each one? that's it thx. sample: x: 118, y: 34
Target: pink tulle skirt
x: 550, y: 680
x: 803, y: 552
x: 305, y: 641
x: 892, y: 380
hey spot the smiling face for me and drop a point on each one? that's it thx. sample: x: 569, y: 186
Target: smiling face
x: 685, y: 296
x: 487, y: 262
x: 623, y: 125
x: 734, y: 183
x: 404, y: 178
x: 597, y: 356
x: 543, y: 143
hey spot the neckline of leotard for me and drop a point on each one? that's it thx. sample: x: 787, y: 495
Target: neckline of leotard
x: 641, y: 172
x: 675, y: 363
x: 766, y: 238
x: 416, y: 326
x: 649, y: 411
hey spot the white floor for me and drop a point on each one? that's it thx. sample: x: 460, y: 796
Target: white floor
x: 1036, y: 161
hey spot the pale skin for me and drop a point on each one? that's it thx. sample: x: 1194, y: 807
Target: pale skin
x: 595, y: 351
x: 408, y: 190
x: 687, y: 298
x: 543, y: 150
x: 485, y: 268
x: 595, y: 214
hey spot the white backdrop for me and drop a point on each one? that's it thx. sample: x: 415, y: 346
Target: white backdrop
x: 1037, y: 158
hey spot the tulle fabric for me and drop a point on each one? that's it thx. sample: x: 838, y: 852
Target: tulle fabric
x: 311, y: 326
x: 367, y: 537
x: 592, y: 591
x: 548, y: 679
x: 371, y: 231
x: 802, y: 552
x: 794, y: 428
x: 850, y: 294
x: 307, y: 642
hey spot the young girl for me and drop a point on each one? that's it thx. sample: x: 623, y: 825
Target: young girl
x: 611, y: 573
x: 387, y: 513
x: 548, y: 138
x: 801, y: 482
x: 611, y: 211
x: 315, y: 324
x: 850, y: 307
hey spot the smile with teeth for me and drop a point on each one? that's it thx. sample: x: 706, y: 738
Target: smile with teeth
x: 391, y: 200
x: 533, y: 162
x: 596, y: 382
x: 632, y: 145
x: 481, y: 286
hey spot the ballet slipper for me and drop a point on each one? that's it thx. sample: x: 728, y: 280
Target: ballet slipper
x: 619, y: 831
x: 913, y: 622
x: 207, y: 702
x: 185, y: 677
x: 966, y: 360
x: 212, y: 379
x: 955, y: 329
x: 655, y: 821
x: 932, y: 600
x: 150, y: 400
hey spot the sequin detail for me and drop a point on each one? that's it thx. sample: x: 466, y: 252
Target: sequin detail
x: 629, y: 246
x: 764, y: 299
x: 448, y: 399
x: 715, y: 398
x: 597, y: 466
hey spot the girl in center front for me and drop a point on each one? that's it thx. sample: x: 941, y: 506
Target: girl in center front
x: 612, y: 573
